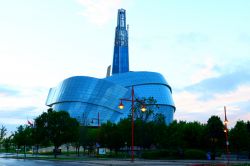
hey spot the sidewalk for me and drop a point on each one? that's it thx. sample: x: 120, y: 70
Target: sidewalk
x: 140, y: 162
x: 90, y: 161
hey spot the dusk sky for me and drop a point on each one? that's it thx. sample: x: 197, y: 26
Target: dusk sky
x: 202, y: 48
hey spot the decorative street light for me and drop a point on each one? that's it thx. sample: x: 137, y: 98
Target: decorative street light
x: 226, y: 133
x: 143, y: 109
x: 98, y: 119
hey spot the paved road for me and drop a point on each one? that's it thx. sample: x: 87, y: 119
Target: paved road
x: 27, y: 162
x: 113, y: 162
x: 22, y: 162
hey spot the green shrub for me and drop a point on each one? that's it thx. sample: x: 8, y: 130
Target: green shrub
x: 194, y: 154
x: 150, y: 155
x: 174, y: 154
x: 160, y: 154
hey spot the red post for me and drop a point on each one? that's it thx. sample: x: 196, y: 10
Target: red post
x: 132, y: 125
x: 226, y: 133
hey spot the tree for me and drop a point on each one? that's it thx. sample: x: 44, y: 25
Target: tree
x: 239, y: 137
x: 56, y: 127
x: 151, y: 106
x: 3, y: 132
x: 110, y: 136
x: 215, y: 134
x: 83, y: 137
x: 174, y: 135
x: 159, y: 130
x: 124, y: 127
x: 7, y: 143
x: 22, y: 137
x: 88, y: 138
x: 145, y: 133
x: 193, y: 134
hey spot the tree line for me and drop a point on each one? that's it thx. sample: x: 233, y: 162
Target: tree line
x: 177, y: 139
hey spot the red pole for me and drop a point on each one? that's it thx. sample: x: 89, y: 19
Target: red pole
x: 226, y: 133
x: 132, y: 125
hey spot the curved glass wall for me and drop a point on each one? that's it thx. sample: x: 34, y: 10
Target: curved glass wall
x: 86, y: 97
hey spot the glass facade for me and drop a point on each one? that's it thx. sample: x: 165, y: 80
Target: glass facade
x: 86, y: 97
x: 92, y: 100
x: 120, y: 58
x: 147, y: 84
x: 83, y: 97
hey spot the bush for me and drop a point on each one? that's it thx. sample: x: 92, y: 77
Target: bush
x: 174, y: 154
x: 194, y: 154
x: 160, y: 154
x: 150, y: 155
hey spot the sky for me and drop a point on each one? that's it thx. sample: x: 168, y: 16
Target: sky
x: 202, y: 48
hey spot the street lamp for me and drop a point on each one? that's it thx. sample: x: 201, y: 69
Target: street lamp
x: 98, y: 119
x: 121, y: 106
x: 143, y: 109
x: 226, y: 133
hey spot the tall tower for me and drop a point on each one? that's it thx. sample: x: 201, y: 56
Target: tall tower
x: 120, y: 58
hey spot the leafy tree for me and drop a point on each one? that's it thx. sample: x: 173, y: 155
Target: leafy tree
x: 159, y: 119
x: 3, y: 132
x: 160, y: 129
x: 124, y: 127
x: 239, y: 136
x: 174, y: 135
x: 56, y: 127
x: 151, y: 106
x: 83, y: 136
x: 88, y: 137
x: 7, y: 143
x: 248, y: 126
x: 110, y: 136
x: 215, y: 134
x: 145, y: 133
x: 193, y: 135
x: 22, y: 137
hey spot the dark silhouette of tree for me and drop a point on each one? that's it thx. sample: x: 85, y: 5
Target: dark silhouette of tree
x: 145, y: 133
x: 56, y: 127
x: 3, y: 132
x: 83, y: 137
x: 215, y: 134
x: 88, y: 138
x: 7, y: 143
x: 124, y: 126
x: 110, y: 136
x: 193, y: 135
x: 151, y: 105
x: 22, y: 137
x: 175, y: 136
x: 239, y: 137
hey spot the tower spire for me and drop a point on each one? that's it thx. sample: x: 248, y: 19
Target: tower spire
x: 120, y: 57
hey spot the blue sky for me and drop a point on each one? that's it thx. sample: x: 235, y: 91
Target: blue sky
x: 201, y: 47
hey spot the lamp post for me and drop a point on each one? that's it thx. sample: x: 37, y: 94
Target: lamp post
x: 143, y: 109
x: 98, y: 119
x: 226, y: 133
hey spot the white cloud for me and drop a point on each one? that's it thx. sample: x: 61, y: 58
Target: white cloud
x: 13, y: 121
x: 27, y: 104
x: 99, y: 11
x: 190, y: 108
x: 26, y: 97
x: 207, y: 71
